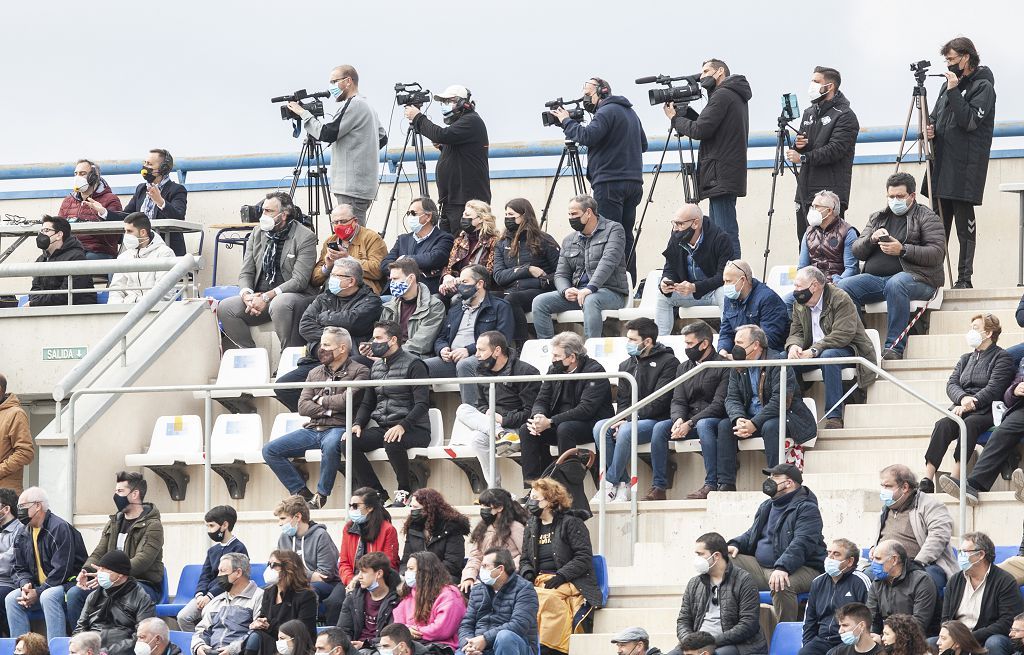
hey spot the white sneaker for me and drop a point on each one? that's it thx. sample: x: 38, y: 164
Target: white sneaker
x: 608, y: 489
x: 621, y: 493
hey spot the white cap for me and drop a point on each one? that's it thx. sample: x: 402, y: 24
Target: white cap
x: 453, y: 91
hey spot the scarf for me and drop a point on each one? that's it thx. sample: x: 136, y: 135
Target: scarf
x: 272, y: 254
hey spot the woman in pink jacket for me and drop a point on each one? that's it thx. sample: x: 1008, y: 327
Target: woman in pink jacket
x: 431, y: 606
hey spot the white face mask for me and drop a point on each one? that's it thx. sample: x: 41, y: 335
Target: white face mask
x: 701, y: 565
x: 283, y: 647
x: 814, y: 217
x: 131, y: 242
x: 142, y: 648
x: 974, y: 338
x: 79, y: 182
x: 270, y: 576
x: 816, y: 91
x: 266, y: 223
x: 412, y: 224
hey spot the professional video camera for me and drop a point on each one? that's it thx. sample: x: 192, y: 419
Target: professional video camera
x: 680, y: 96
x: 252, y: 213
x: 314, y: 106
x: 412, y: 93
x: 575, y: 110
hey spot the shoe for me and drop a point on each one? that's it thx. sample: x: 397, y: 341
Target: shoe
x: 726, y: 487
x: 306, y: 494
x: 622, y: 494
x: 891, y: 354
x: 1017, y: 479
x: 963, y: 284
x: 401, y: 499
x: 833, y: 424
x: 951, y: 486
x: 317, y: 502
x: 606, y: 488
x: 655, y: 493
x: 927, y: 486
x: 506, y: 444
x: 1009, y: 466
x: 702, y: 493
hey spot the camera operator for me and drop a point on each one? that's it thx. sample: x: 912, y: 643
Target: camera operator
x: 615, y: 142
x: 824, y: 145
x: 961, y: 126
x: 355, y: 136
x: 722, y: 129
x: 462, y: 170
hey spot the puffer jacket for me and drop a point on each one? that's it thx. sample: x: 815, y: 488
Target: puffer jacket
x: 762, y: 307
x: 602, y: 256
x: 73, y: 209
x: 740, y: 608
x: 119, y: 293
x: 490, y: 610
x: 144, y: 544
x: 569, y: 399
x: 911, y: 592
x: 424, y: 324
x: 964, y: 121
x: 703, y: 396
x: 447, y: 541
x: 983, y: 374
x: 356, y: 313
x: 797, y: 541
x: 512, y: 272
x: 831, y: 129
x: 925, y: 243
x: 114, y: 613
x: 399, y: 405
x: 652, y: 371
x: 17, y: 449
x: 326, y: 406
x: 573, y: 553
x: 492, y: 314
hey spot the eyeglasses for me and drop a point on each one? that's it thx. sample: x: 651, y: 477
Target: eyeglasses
x: 354, y: 505
x: 342, y: 221
x: 413, y: 212
x: 338, y: 79
x: 47, y: 231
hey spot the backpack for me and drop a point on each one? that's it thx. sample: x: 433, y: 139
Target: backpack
x: 571, y: 469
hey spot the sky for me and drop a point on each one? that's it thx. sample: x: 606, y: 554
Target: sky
x: 110, y: 80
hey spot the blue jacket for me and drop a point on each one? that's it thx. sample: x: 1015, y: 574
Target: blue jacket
x: 797, y: 541
x: 513, y: 608
x: 431, y: 254
x: 763, y: 307
x: 494, y: 314
x: 615, y: 142
x: 826, y: 597
x: 61, y: 550
x: 208, y: 577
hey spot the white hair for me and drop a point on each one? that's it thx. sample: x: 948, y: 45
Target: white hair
x: 35, y: 495
x: 156, y: 626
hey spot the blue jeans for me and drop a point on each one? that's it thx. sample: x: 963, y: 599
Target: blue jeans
x: 706, y: 430
x: 76, y: 599
x: 618, y: 448
x: 722, y: 211
x: 295, y: 444
x: 896, y: 290
x: 52, y: 603
x: 728, y: 447
x: 1017, y: 352
x: 554, y: 302
x: 617, y: 202
x: 832, y: 375
x: 665, y: 312
x: 506, y: 642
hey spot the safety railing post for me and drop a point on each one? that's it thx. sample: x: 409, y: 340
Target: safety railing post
x: 492, y: 462
x: 207, y: 453
x: 782, y: 413
x: 348, y: 446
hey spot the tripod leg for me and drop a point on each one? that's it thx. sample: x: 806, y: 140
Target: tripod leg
x: 925, y: 150
x: 398, y: 180
x: 906, y: 129
x: 551, y: 192
x: 298, y: 169
x: 650, y: 196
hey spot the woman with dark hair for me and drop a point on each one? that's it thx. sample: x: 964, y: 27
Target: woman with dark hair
x: 431, y: 606
x: 287, y: 598
x: 956, y: 639
x: 294, y: 639
x: 368, y: 530
x: 901, y: 635
x: 437, y: 527
x: 558, y: 559
x: 502, y: 523
x: 524, y: 261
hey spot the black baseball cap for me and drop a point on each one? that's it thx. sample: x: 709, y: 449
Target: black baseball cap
x: 788, y: 470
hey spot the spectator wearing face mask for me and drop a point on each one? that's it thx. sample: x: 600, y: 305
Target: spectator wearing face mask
x: 287, y: 598
x: 749, y: 301
x: 312, y: 542
x: 117, y: 606
x: 350, y: 240
x: 827, y: 243
x: 226, y: 619
x: 87, y: 184
x: 418, y: 313
x: 501, y: 615
x: 474, y: 245
x: 900, y: 586
x: 424, y: 242
x: 840, y: 583
x: 370, y: 602
x: 220, y: 525
x: 501, y: 526
x: 140, y: 242
x: 855, y: 636
x: 58, y: 245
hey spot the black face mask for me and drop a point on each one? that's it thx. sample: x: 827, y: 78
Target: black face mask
x: 486, y: 365
x: 224, y: 582
x: 558, y: 367
x: 416, y: 517
x: 467, y: 225
x: 487, y: 515
x: 955, y: 68
x: 802, y: 296
x: 23, y: 516
x: 121, y: 502
x: 770, y: 487
x: 379, y: 348
x: 589, y: 105
x: 148, y: 174
x: 533, y: 507
x: 739, y: 354
x: 325, y: 356
x: 686, y: 235
x: 510, y: 225
x: 576, y: 224
x: 694, y: 354
x: 42, y: 241
x: 708, y: 83
x: 217, y: 536
x: 466, y: 291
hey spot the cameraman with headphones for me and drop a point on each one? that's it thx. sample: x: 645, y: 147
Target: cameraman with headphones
x: 615, y: 142
x: 462, y: 170
x: 158, y: 197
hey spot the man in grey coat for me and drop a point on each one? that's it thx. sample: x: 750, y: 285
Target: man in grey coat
x: 9, y: 530
x: 279, y: 258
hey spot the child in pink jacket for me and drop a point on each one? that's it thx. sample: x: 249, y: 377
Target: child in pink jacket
x: 427, y: 585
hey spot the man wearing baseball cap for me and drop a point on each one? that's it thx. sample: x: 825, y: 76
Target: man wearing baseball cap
x: 462, y: 172
x: 117, y: 606
x: 784, y: 549
x: 634, y: 641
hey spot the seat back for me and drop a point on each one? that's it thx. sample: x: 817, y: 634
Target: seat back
x: 182, y: 640
x: 187, y: 581
x: 1004, y: 553
x: 256, y: 572
x: 787, y: 638
x: 537, y: 352
x: 998, y: 409
x: 233, y: 433
x: 165, y: 595
x: 601, y: 573
x: 813, y: 406
x: 290, y: 357
x: 876, y: 343
x: 608, y: 351
x: 436, y: 427
x: 60, y: 645
x: 7, y: 646
x: 242, y: 366
x: 780, y: 279
x: 287, y: 422
x: 176, y: 434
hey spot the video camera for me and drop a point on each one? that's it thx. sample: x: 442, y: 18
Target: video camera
x: 314, y: 106
x: 680, y: 96
x: 575, y: 110
x: 412, y: 93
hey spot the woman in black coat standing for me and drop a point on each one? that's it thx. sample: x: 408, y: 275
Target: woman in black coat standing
x: 286, y: 597
x: 436, y: 527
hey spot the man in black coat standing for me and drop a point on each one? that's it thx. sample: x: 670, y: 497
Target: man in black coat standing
x: 824, y: 145
x: 462, y: 170
x: 722, y: 130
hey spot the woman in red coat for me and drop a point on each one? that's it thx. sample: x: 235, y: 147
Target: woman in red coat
x: 88, y: 184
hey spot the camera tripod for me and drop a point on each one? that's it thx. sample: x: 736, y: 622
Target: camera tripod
x: 571, y: 151
x: 412, y: 136
x: 318, y: 186
x: 782, y: 142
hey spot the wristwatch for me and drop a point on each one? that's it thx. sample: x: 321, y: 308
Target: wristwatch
x: 814, y: 351
x: 803, y: 159
x: 265, y: 297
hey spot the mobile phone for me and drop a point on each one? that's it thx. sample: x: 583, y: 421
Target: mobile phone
x: 886, y: 238
x: 334, y: 245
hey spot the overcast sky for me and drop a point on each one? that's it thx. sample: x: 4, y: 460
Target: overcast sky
x: 109, y: 80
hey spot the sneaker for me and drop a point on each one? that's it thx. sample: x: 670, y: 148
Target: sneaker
x: 655, y: 493
x: 507, y: 443
x: 951, y: 486
x: 833, y: 424
x: 891, y: 354
x: 306, y: 494
x: 702, y: 493
x: 606, y: 488
x: 400, y: 499
x: 927, y: 486
x: 1017, y: 479
x: 963, y: 284
x: 317, y: 502
x: 622, y: 494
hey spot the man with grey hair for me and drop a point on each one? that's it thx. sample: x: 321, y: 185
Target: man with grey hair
x: 827, y: 243
x: 325, y: 408
x: 591, y: 271
x: 346, y: 302
x: 748, y: 301
x: 356, y: 137
x: 826, y: 324
x: 900, y: 587
x: 226, y: 618
x: 752, y: 406
x: 85, y: 643
x: 154, y: 633
x: 565, y: 411
x: 349, y: 239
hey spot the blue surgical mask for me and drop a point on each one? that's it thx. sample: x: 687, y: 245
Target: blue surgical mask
x: 334, y: 285
x: 849, y: 638
x: 963, y: 559
x: 398, y: 287
x: 488, y: 577
x: 730, y: 291
x: 898, y: 206
x: 885, y: 495
x: 833, y: 567
x: 289, y: 530
x: 103, y: 578
x: 447, y: 110
x: 410, y: 579
x: 373, y: 586
x: 334, y: 91
x: 357, y: 517
x: 633, y: 349
x: 878, y: 570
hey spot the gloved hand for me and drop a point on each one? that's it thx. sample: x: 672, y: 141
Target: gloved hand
x: 555, y: 581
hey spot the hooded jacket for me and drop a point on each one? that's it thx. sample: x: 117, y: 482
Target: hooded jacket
x: 652, y: 371
x: 800, y: 422
x: 739, y: 604
x: 17, y: 449
x: 964, y: 120
x: 316, y: 550
x: 925, y: 243
x: 424, y: 324
x: 114, y: 613
x: 353, y: 614
x: 712, y: 254
x: 722, y: 129
x: 492, y: 314
x: 569, y: 399
x: 73, y: 209
x: 442, y: 627
x: 356, y: 313
x: 61, y: 550
x: 512, y: 400
x: 70, y: 251
x: 119, y: 293
x: 831, y: 129
x: 614, y: 139
x: 911, y: 592
x: 797, y: 541
x: 144, y: 544
x: 826, y: 596
x: 462, y: 169
x: 512, y: 272
x: 762, y: 307
x: 572, y: 552
x: 447, y: 541
x: 513, y: 607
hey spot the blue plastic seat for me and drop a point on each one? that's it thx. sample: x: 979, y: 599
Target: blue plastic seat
x: 222, y: 292
x: 7, y: 646
x: 182, y: 640
x: 787, y: 638
x: 1004, y: 553
x: 60, y: 645
x: 601, y: 573
x: 256, y: 573
x: 766, y: 597
x: 186, y: 591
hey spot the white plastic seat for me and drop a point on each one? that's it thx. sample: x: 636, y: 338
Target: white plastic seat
x: 648, y: 299
x: 758, y: 443
x: 780, y: 279
x: 175, y: 439
x: 882, y: 307
x: 576, y: 315
x: 537, y: 352
x: 436, y: 439
x: 608, y: 351
x: 700, y: 311
x: 236, y: 437
x: 458, y: 446
x: 849, y: 373
x: 290, y: 357
x: 284, y: 423
x: 242, y: 366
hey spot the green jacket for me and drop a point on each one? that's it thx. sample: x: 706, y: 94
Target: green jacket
x: 841, y: 326
x: 144, y: 545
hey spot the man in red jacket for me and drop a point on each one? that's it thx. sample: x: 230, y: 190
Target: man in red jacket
x: 87, y: 185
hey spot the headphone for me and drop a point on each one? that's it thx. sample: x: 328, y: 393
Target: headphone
x: 467, y: 104
x: 603, y: 90
x: 93, y: 176
x: 166, y: 161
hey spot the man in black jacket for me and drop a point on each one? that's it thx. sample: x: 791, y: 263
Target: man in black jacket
x: 695, y: 258
x: 495, y: 358
x: 722, y: 130
x: 115, y: 609
x: 565, y: 412
x: 158, y: 197
x: 901, y: 586
x: 424, y: 243
x: 376, y: 582
x: 985, y: 598
x: 824, y: 145
x: 840, y: 584
x: 462, y: 169
x: 57, y: 244
x: 615, y: 143
x: 784, y: 548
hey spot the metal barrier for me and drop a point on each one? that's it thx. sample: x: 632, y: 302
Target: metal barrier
x: 90, y: 268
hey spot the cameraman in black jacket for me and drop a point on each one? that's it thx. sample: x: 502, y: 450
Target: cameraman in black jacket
x: 824, y: 145
x: 462, y: 169
x: 722, y: 130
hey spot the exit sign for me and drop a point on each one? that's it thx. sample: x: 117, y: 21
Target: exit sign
x: 63, y: 354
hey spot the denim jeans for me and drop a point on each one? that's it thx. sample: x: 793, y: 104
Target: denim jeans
x: 706, y: 430
x: 1017, y: 352
x: 832, y: 375
x: 554, y: 302
x: 464, y: 368
x: 506, y: 642
x: 896, y: 290
x: 617, y: 202
x: 722, y: 212
x: 618, y: 448
x: 54, y: 615
x: 665, y: 313
x: 295, y: 444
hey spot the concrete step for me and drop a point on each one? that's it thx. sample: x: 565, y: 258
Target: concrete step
x: 950, y: 345
x: 819, y: 482
x: 889, y: 415
x: 883, y: 391
x: 637, y: 595
x: 652, y: 619
x: 921, y: 368
x: 849, y: 462
x: 980, y: 299
x: 957, y: 321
